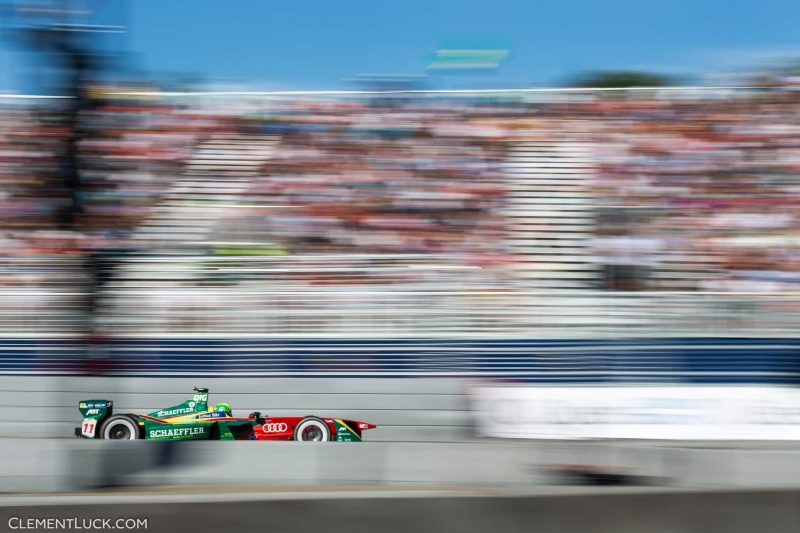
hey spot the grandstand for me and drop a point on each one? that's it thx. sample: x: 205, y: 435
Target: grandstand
x: 551, y: 212
x: 217, y: 174
x: 438, y: 217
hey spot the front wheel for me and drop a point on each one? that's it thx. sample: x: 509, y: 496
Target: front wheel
x: 120, y: 427
x: 312, y: 429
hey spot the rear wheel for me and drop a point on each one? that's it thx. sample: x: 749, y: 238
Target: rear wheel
x: 312, y: 429
x: 120, y: 427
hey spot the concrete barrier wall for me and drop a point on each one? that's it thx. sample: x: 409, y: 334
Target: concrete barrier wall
x: 663, y: 512
x: 67, y: 465
x: 405, y: 409
x: 490, y: 463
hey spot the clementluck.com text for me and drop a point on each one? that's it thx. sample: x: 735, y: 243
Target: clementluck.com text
x: 77, y: 523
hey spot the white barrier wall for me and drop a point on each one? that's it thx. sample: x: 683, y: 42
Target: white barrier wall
x: 407, y: 409
x: 688, y: 413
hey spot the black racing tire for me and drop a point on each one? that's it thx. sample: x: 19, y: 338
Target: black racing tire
x: 312, y: 429
x: 120, y: 427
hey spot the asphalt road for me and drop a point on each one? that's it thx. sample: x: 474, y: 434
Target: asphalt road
x: 437, y: 509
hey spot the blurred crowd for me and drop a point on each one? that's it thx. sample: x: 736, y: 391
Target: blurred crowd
x: 691, y: 193
x: 701, y: 195
x: 131, y: 155
x: 358, y: 181
x: 128, y: 156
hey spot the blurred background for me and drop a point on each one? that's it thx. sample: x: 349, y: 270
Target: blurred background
x: 513, y: 231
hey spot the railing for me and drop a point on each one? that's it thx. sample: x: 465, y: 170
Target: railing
x: 391, y: 296
x: 398, y: 311
x: 390, y: 316
x: 421, y: 311
x: 406, y: 331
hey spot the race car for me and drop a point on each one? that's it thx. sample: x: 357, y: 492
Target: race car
x: 195, y: 420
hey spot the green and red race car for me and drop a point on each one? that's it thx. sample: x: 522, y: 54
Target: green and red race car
x: 194, y: 420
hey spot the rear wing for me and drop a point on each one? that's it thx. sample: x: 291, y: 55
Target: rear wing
x: 93, y: 413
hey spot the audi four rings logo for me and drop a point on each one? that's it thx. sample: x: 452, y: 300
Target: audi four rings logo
x: 274, y: 428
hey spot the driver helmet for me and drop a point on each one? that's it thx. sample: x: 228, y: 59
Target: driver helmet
x: 223, y: 408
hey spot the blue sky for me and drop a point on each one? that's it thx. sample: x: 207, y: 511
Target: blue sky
x: 316, y: 44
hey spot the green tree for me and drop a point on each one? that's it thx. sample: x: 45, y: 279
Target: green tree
x: 621, y: 79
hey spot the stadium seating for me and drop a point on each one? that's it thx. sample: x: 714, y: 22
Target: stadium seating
x: 551, y: 213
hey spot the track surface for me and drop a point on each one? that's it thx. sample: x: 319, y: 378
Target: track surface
x: 357, y: 510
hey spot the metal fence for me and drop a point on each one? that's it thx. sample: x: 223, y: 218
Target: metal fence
x: 363, y: 296
x: 384, y: 316
x: 398, y: 311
